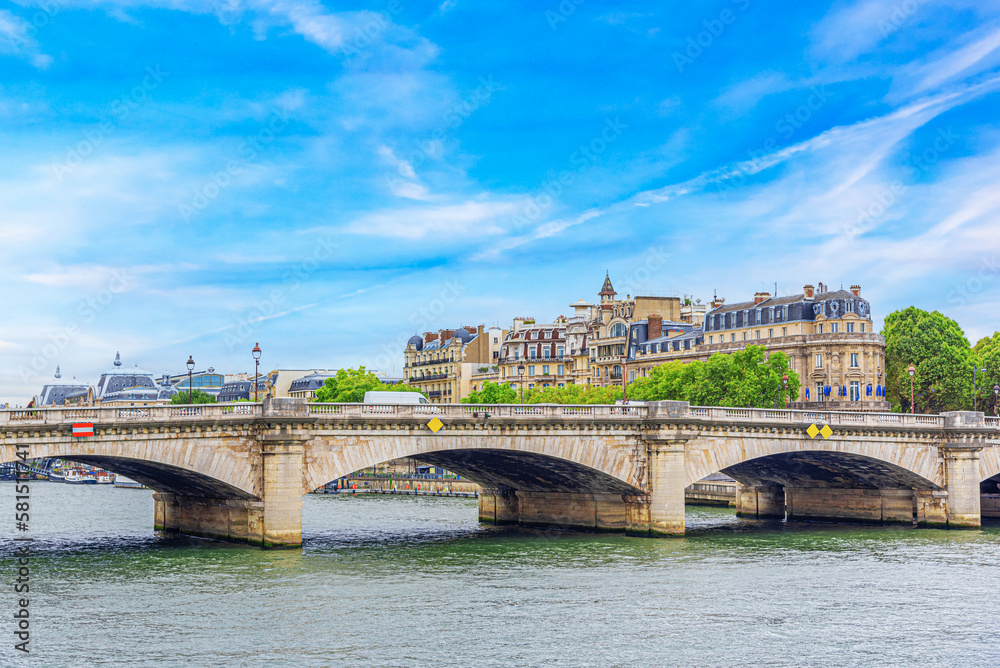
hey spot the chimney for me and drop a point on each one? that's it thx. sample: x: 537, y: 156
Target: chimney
x: 717, y: 302
x: 761, y: 297
x: 655, y: 328
x: 809, y: 292
x: 856, y: 290
x: 429, y: 336
x: 446, y: 334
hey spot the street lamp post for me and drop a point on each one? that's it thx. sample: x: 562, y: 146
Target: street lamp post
x: 520, y: 379
x: 784, y: 383
x: 624, y: 380
x: 256, y: 372
x: 975, y: 388
x: 912, y: 371
x: 996, y: 400
x: 190, y: 366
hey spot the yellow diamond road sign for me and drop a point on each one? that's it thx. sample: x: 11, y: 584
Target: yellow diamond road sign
x: 812, y: 431
x: 435, y: 425
x: 826, y: 431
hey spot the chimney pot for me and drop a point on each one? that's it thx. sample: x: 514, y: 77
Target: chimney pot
x: 654, y: 330
x: 809, y: 292
x: 856, y: 290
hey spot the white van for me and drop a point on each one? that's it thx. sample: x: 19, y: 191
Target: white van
x: 395, y: 398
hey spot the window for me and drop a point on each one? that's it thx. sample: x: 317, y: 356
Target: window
x: 784, y: 331
x: 744, y: 336
x: 710, y: 339
x: 561, y: 369
x: 850, y: 327
x: 819, y: 392
x: 732, y: 337
x: 820, y: 329
x: 819, y: 360
x: 770, y: 333
x: 545, y: 369
x: 532, y: 353
x: 617, y: 329
x: 560, y: 351
x: 757, y: 334
x: 855, y: 390
x: 834, y: 327
x: 854, y: 360
x: 531, y: 370
x: 862, y: 328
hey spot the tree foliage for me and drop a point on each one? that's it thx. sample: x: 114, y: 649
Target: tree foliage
x: 986, y: 354
x: 940, y: 354
x: 573, y: 394
x: 350, y: 385
x: 184, y: 397
x: 492, y: 393
x: 746, y: 378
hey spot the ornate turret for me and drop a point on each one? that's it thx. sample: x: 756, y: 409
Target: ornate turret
x: 607, y: 293
x: 118, y: 359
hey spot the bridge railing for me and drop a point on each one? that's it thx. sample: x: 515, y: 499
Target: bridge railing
x: 477, y: 410
x: 844, y: 418
x: 125, y: 414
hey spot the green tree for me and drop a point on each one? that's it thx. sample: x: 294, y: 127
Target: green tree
x: 196, y: 397
x: 940, y: 353
x: 350, y: 385
x: 746, y: 378
x: 492, y: 393
x: 573, y: 394
x: 986, y: 354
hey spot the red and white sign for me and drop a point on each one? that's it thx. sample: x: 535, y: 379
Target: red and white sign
x: 83, y: 429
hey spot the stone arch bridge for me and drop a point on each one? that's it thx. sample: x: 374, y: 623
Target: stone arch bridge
x: 238, y: 472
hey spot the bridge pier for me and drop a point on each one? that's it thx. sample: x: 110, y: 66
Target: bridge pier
x: 554, y: 510
x: 760, y: 501
x: 237, y: 520
x: 666, y: 488
x: 839, y: 504
x: 962, y: 473
x: 499, y: 506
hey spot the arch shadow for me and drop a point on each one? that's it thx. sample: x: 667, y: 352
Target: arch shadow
x: 823, y: 468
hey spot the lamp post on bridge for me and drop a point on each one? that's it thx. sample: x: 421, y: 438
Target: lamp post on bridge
x: 190, y: 366
x: 784, y: 383
x: 256, y: 373
x: 912, y: 371
x: 520, y: 379
x: 975, y: 387
x: 996, y: 400
x: 624, y: 380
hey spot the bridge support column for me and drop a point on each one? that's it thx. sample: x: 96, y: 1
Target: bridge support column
x: 932, y: 508
x: 962, y: 473
x: 838, y: 504
x: 578, y: 512
x: 282, y: 498
x: 235, y: 520
x: 760, y: 501
x: 499, y: 506
x: 666, y: 488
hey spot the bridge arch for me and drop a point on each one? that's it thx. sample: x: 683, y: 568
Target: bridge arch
x: 199, y: 470
x: 540, y: 462
x: 800, y: 462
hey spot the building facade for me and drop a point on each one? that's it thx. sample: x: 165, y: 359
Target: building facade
x: 443, y: 363
x: 828, y: 336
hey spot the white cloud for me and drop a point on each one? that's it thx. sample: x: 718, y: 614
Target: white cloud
x: 17, y: 38
x: 466, y: 219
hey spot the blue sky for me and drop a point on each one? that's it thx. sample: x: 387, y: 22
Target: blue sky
x: 189, y: 178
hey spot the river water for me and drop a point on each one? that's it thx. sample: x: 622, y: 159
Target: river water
x: 398, y: 581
